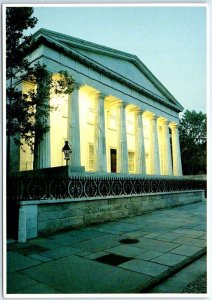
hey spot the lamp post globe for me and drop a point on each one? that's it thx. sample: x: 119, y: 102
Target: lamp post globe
x: 67, y: 151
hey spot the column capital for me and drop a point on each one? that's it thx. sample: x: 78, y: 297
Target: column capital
x: 138, y: 111
x: 164, y: 122
x: 152, y: 117
x: 121, y: 104
x: 174, y: 126
x: 101, y: 95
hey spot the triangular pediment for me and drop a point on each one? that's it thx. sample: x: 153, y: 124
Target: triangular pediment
x: 127, y: 66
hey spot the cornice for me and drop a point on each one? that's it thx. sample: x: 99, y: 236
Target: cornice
x: 41, y: 37
x: 86, y: 45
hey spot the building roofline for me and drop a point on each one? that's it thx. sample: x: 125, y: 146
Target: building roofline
x: 65, y: 41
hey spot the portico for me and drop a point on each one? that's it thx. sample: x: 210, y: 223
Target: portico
x: 114, y: 122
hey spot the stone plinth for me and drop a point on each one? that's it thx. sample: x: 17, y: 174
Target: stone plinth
x: 52, y: 215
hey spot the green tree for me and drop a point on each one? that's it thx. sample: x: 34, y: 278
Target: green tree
x: 27, y: 114
x: 192, y: 131
x: 18, y: 19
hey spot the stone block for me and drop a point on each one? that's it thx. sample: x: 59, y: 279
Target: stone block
x: 60, y: 214
x: 53, y: 207
x: 133, y: 212
x: 71, y: 211
x: 134, y: 205
x: 18, y: 262
x: 31, y: 221
x: 46, y: 215
x: 91, y: 209
x: 135, y: 199
x: 106, y: 216
x: 186, y: 250
x: 120, y: 214
x: 22, y: 231
x: 145, y: 267
x: 98, y: 217
x: 120, y: 200
x: 89, y: 219
x: 184, y: 240
x: 69, y: 222
x: 158, y: 203
x: 47, y: 226
x: 169, y: 259
x: 170, y: 202
x: 126, y: 250
x: 147, y: 205
x: 60, y: 252
x: 17, y: 281
x: 118, y: 206
x: 127, y: 205
x: 106, y: 208
x: 148, y: 255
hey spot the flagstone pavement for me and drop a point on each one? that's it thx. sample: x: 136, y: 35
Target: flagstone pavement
x: 94, y: 259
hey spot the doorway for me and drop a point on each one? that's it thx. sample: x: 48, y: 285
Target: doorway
x: 113, y: 160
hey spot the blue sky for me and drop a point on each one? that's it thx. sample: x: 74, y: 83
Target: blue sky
x: 170, y: 41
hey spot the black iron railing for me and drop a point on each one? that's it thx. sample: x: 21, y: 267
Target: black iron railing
x: 41, y: 188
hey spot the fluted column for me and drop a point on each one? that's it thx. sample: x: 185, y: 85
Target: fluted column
x: 42, y: 150
x: 74, y: 126
x: 177, y: 165
x: 166, y: 148
x: 99, y: 135
x: 154, y: 148
x: 122, y: 153
x: 140, y: 158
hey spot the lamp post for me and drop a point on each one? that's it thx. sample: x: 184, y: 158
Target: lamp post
x: 67, y: 151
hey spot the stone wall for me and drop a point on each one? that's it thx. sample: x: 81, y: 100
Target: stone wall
x: 46, y: 216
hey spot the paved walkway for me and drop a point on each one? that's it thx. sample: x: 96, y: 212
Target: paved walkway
x: 193, y: 276
x: 93, y: 260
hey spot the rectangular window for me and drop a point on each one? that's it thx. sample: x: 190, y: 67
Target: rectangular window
x: 91, y: 157
x: 131, y: 162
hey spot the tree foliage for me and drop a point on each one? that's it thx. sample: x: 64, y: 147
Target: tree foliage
x: 18, y: 19
x: 193, y: 142
x: 27, y: 113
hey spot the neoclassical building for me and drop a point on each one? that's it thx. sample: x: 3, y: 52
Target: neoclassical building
x: 119, y: 117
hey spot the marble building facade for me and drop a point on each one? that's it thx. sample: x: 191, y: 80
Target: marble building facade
x: 119, y: 117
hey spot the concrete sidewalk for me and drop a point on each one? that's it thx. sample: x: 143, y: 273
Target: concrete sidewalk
x: 95, y: 259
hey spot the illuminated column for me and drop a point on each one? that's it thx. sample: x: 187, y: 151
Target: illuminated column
x: 166, y: 148
x: 42, y: 152
x: 154, y: 148
x: 99, y: 135
x: 122, y: 153
x: 139, y: 143
x: 74, y: 126
x: 177, y: 166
